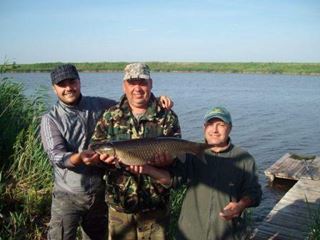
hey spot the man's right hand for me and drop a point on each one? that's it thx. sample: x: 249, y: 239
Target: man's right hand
x: 108, y: 159
x: 86, y: 157
x: 89, y: 157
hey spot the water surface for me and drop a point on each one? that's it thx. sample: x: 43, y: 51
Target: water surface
x: 272, y: 114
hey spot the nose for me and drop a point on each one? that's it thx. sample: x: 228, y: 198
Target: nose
x: 137, y: 87
x: 68, y: 87
x: 215, y: 128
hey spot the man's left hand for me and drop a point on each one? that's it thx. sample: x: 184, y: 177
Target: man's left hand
x: 166, y: 102
x: 232, y: 210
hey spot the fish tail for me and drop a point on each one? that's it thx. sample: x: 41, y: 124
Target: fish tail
x: 200, y: 149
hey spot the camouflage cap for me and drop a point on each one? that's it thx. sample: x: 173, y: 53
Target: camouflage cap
x: 218, y: 112
x: 137, y: 71
x: 63, y: 72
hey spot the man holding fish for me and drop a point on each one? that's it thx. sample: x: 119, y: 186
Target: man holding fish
x: 138, y: 205
x: 66, y: 130
x: 221, y: 184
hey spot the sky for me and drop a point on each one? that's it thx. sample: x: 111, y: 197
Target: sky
x: 34, y: 31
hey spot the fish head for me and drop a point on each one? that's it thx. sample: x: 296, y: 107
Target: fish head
x: 103, y: 147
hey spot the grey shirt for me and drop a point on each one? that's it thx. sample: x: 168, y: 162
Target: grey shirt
x: 213, y: 181
x: 66, y: 130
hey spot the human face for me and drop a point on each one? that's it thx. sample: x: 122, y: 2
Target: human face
x: 138, y: 92
x: 68, y: 91
x: 217, y: 132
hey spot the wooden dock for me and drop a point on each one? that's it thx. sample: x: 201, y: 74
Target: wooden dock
x: 292, y: 215
x: 294, y: 167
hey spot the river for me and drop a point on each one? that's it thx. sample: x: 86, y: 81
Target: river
x: 272, y: 114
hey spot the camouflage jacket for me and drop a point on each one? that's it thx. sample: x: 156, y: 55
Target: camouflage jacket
x: 127, y: 192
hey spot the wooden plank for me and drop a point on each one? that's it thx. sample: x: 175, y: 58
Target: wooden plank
x: 285, y: 217
x: 265, y: 235
x: 309, y: 187
x: 280, y: 232
x: 292, y: 215
x: 283, y: 220
x: 288, y: 167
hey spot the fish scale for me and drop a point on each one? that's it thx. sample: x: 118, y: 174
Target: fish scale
x: 140, y: 151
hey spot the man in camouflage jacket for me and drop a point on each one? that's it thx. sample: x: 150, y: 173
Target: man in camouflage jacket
x: 138, y: 204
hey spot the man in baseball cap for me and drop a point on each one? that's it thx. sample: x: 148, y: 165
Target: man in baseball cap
x: 66, y: 83
x: 223, y: 179
x: 220, y: 113
x: 138, y: 205
x: 78, y: 192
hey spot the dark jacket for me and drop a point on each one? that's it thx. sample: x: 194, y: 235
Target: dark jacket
x: 213, y: 181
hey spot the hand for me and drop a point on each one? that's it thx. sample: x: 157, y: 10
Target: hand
x: 166, y: 102
x: 139, y: 169
x: 108, y: 159
x: 160, y: 175
x: 89, y: 157
x: 162, y: 159
x: 232, y: 210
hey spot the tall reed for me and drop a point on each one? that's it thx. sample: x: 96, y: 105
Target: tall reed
x: 25, y: 172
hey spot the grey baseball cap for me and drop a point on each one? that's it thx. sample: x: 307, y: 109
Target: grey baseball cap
x: 137, y: 71
x: 63, y: 72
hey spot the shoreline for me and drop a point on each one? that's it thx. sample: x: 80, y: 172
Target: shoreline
x: 312, y: 69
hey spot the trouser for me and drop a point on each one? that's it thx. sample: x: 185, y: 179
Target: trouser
x: 69, y: 211
x: 138, y: 226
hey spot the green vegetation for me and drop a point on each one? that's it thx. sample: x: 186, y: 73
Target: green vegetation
x: 25, y: 173
x: 314, y: 228
x: 250, y: 67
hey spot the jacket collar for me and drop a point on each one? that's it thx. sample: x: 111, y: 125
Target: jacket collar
x: 152, y: 109
x: 78, y: 105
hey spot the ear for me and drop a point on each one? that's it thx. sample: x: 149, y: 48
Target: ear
x: 150, y: 83
x: 229, y: 129
x: 204, y: 128
x: 123, y: 86
x: 54, y: 89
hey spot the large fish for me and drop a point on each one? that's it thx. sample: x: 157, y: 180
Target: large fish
x: 140, y: 151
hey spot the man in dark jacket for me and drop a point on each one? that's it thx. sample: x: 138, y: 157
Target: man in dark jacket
x: 220, y: 185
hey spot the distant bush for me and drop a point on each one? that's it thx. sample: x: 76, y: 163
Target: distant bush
x: 249, y: 67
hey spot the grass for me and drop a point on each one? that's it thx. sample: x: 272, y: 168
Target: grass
x: 25, y: 172
x: 314, y: 227
x: 248, y: 67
